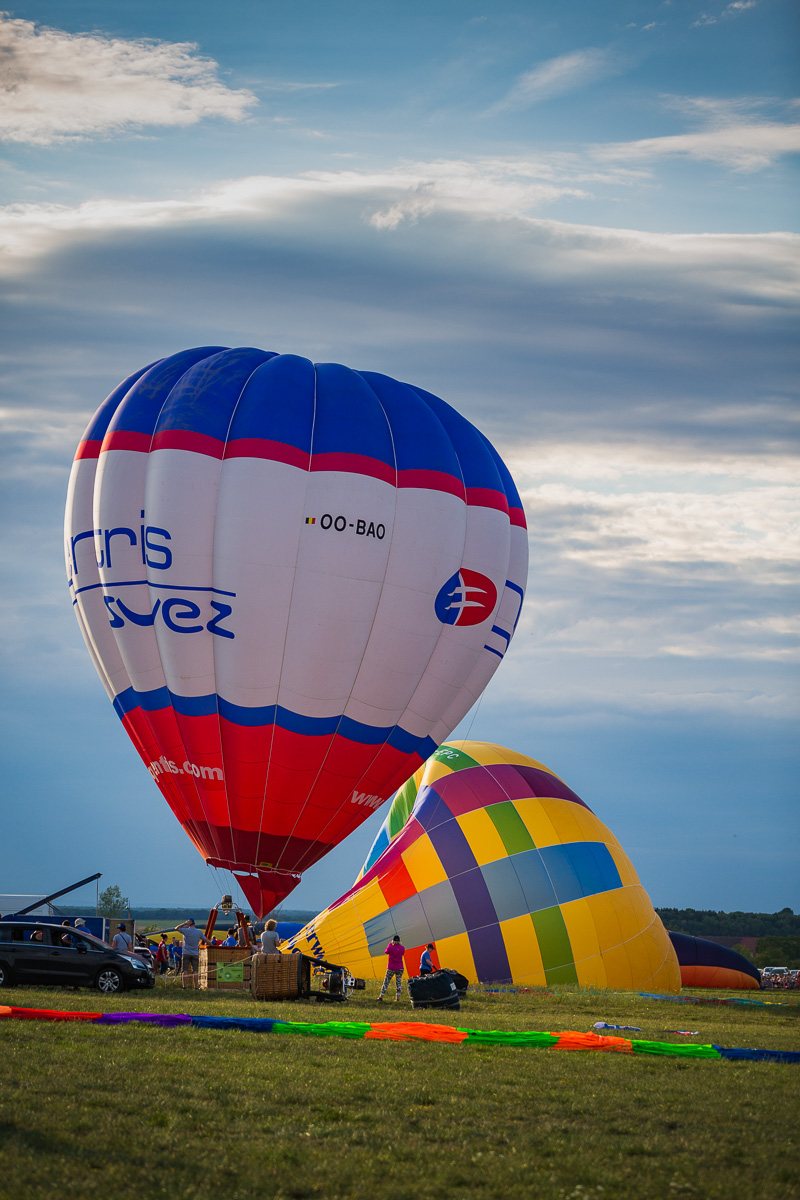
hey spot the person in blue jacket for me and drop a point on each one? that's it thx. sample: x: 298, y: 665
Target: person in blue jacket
x: 426, y: 964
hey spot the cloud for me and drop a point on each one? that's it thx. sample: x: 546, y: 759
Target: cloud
x: 489, y: 187
x: 534, y: 328
x: 731, y: 10
x: 59, y: 86
x: 740, y: 147
x: 730, y: 134
x: 494, y: 190
x: 554, y: 77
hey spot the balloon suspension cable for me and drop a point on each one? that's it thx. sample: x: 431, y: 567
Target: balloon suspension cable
x: 474, y: 715
x: 233, y: 888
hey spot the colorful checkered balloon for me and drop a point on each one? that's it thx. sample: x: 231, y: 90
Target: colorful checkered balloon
x: 492, y: 858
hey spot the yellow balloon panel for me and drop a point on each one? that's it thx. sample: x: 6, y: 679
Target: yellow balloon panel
x: 490, y: 856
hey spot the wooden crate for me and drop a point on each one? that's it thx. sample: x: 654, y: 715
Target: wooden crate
x: 212, y: 956
x: 280, y: 976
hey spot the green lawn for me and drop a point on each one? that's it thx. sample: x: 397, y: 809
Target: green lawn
x: 137, y: 1111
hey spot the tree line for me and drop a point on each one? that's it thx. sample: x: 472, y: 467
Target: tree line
x: 710, y: 923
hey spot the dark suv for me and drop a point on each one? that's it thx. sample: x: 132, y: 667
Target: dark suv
x: 31, y: 952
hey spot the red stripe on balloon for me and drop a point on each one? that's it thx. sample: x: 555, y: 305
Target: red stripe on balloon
x: 487, y: 498
x: 517, y: 517
x: 355, y: 464
x: 434, y: 481
x: 126, y: 439
x: 185, y: 439
x: 88, y: 449
x: 265, y: 448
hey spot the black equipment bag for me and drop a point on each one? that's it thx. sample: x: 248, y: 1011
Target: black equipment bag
x: 461, y: 981
x: 433, y: 991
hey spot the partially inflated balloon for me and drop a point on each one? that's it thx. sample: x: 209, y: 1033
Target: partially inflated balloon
x: 510, y: 875
x: 294, y: 581
x: 704, y: 964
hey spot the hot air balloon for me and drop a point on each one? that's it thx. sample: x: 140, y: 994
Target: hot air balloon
x: 487, y: 854
x: 705, y: 964
x: 294, y: 580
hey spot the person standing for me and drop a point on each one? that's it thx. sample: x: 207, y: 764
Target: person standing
x: 269, y: 938
x: 162, y: 955
x: 426, y: 966
x: 192, y: 937
x: 395, y: 951
x: 122, y: 941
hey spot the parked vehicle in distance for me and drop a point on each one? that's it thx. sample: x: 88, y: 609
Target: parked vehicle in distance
x: 143, y: 951
x: 35, y: 952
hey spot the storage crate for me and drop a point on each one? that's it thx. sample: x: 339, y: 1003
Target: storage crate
x: 280, y: 976
x: 214, y: 957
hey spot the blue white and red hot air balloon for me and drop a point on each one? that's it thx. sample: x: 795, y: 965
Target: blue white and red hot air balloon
x: 294, y: 581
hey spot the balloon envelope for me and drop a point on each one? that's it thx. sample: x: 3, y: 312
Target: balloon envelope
x: 705, y: 964
x: 294, y: 580
x: 508, y: 873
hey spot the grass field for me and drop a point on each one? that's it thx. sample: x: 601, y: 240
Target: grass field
x: 134, y: 1111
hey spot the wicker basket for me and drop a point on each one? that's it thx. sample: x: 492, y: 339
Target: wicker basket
x: 211, y: 957
x: 280, y: 976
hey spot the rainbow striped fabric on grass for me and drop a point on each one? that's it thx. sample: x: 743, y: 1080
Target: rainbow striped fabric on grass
x: 412, y: 1031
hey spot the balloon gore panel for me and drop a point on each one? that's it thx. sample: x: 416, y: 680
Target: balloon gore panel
x: 294, y: 580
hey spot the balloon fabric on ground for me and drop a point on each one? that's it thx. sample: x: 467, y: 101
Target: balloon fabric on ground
x: 408, y: 1031
x: 294, y: 581
x: 490, y: 856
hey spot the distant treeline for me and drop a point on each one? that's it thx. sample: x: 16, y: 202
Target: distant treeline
x: 154, y: 915
x: 707, y: 923
x: 777, y: 952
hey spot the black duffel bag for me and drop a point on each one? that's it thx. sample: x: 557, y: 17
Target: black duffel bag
x: 433, y: 991
x: 461, y: 981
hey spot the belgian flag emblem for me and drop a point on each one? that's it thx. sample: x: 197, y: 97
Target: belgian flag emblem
x: 311, y: 520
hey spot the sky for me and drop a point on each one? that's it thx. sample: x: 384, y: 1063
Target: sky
x: 576, y: 223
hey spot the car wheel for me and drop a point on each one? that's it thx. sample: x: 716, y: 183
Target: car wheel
x: 5, y: 976
x: 109, y: 981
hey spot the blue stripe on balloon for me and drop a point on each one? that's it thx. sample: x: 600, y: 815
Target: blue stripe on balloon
x: 277, y: 403
x: 194, y: 706
x: 272, y: 714
x: 153, y: 701
x: 173, y: 587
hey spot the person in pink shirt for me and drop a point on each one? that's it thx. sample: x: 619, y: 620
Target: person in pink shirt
x: 395, y: 952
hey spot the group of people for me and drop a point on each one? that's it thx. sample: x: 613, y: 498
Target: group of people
x: 782, y: 978
x: 184, y: 958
